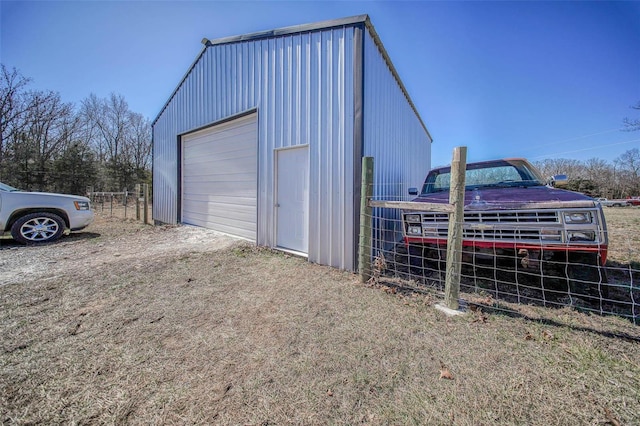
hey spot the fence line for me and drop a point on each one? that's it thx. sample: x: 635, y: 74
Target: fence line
x: 124, y: 204
x: 499, y: 275
x: 503, y: 275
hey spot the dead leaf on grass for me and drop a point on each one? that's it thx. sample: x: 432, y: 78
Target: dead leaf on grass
x: 529, y: 336
x: 444, y: 372
x: 547, y: 335
x: 479, y: 316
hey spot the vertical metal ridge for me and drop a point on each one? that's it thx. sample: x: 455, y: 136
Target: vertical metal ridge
x: 358, y: 134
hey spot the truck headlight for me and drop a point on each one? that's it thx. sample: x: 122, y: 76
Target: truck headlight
x: 414, y: 230
x: 577, y: 217
x: 413, y: 218
x: 82, y: 205
x: 581, y: 236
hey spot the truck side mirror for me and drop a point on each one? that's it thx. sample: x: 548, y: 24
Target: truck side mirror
x: 413, y: 191
x: 558, y: 181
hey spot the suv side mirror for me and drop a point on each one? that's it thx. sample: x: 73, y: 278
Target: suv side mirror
x: 558, y: 181
x: 413, y: 191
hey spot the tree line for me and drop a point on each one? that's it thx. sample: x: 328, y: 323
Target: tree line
x: 599, y: 178
x: 47, y: 144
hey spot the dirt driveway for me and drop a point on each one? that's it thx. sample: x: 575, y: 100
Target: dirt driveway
x: 131, y: 324
x: 107, y: 243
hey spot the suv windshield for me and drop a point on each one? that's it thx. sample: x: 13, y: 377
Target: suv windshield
x: 7, y: 188
x: 490, y: 174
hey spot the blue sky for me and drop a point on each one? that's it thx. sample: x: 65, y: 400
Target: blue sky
x: 506, y: 79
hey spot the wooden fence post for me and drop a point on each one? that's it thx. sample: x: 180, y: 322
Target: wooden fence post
x: 456, y: 221
x: 366, y: 192
x: 138, y: 201
x: 146, y: 203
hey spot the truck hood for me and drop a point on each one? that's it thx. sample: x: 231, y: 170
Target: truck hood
x: 514, y: 198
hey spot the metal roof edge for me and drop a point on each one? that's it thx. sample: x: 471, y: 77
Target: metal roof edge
x: 316, y: 26
x: 295, y: 29
x: 204, y: 48
x: 385, y: 55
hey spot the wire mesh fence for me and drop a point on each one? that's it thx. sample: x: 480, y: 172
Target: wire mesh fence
x: 124, y: 204
x: 502, y: 271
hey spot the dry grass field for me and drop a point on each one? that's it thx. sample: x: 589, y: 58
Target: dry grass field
x: 132, y: 324
x: 624, y: 232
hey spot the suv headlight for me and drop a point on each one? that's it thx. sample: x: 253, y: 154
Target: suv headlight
x: 577, y: 217
x: 82, y: 205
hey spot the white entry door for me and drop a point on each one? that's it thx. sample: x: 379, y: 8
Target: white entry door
x: 292, y: 202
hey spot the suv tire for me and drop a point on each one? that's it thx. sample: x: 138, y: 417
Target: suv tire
x: 37, y: 228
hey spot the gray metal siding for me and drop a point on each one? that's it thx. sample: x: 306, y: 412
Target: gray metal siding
x: 393, y: 134
x: 302, y: 87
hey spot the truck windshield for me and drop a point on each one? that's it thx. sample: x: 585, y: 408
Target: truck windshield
x: 491, y: 174
x: 7, y: 188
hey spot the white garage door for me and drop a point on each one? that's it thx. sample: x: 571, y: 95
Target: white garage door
x: 219, y: 177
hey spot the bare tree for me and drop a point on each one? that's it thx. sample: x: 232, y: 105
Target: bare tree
x: 138, y: 146
x: 47, y: 129
x: 574, y: 169
x: 13, y: 106
x: 121, y: 138
x: 628, y: 172
x: 108, y: 119
x: 102, y: 143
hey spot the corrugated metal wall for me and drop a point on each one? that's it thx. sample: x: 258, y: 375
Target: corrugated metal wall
x: 302, y: 87
x: 394, y: 136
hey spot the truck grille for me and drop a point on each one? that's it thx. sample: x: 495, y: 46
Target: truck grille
x: 497, y: 225
x: 497, y: 217
x: 499, y: 234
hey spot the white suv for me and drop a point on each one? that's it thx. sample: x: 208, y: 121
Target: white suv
x: 39, y: 217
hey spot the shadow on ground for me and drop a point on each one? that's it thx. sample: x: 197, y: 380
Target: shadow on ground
x: 7, y: 243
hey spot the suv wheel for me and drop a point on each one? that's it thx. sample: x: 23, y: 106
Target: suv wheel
x: 37, y: 228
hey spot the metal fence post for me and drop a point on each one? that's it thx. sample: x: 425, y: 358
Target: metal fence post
x: 366, y: 193
x: 456, y: 220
